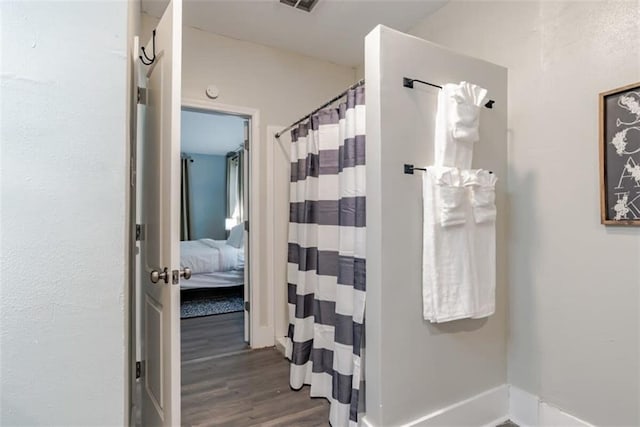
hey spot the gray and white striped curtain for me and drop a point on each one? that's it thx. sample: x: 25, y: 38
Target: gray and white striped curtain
x: 326, y: 268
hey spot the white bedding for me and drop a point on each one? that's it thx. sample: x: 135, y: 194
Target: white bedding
x: 221, y: 279
x: 210, y: 256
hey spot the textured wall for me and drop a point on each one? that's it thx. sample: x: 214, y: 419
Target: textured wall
x: 64, y: 174
x: 574, y: 284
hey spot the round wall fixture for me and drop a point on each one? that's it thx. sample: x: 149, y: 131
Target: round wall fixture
x: 213, y: 92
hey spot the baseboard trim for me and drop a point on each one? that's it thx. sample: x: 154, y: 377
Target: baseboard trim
x: 528, y: 410
x: 493, y: 407
x: 281, y: 345
x: 488, y: 408
x: 523, y: 407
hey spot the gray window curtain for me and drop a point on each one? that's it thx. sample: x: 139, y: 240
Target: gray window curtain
x: 326, y: 265
x: 235, y: 186
x: 185, y: 199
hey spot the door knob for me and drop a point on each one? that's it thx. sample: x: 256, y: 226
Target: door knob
x: 186, y: 273
x: 156, y: 275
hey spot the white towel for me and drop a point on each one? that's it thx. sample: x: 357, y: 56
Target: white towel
x: 457, y: 124
x: 458, y: 244
x: 481, y: 185
x: 448, y: 282
x: 464, y: 114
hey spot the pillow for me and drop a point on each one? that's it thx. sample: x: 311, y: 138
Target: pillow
x: 236, y: 236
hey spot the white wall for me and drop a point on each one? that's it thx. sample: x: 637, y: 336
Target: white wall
x: 574, y: 303
x: 283, y: 86
x: 62, y: 303
x: 413, y: 367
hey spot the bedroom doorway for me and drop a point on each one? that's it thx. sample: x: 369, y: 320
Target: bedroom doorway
x: 218, y: 182
x: 214, y: 206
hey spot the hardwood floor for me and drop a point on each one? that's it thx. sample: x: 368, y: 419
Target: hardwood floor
x: 212, y: 336
x: 224, y: 383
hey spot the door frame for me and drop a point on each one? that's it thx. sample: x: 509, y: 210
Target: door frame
x: 261, y: 290
x: 276, y: 153
x: 260, y: 306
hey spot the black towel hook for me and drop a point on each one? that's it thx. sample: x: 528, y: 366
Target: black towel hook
x: 153, y: 48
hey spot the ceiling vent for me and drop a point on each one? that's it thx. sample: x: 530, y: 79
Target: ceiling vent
x: 305, y: 5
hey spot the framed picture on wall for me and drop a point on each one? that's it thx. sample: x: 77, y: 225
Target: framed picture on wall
x: 620, y: 156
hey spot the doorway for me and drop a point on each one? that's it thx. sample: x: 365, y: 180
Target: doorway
x: 214, y: 244
x: 213, y: 215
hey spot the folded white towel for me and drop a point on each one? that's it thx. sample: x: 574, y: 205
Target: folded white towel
x: 464, y: 111
x: 481, y: 185
x: 457, y: 123
x: 450, y: 194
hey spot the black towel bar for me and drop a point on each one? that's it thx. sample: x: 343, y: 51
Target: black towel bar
x: 408, y: 83
x: 409, y: 169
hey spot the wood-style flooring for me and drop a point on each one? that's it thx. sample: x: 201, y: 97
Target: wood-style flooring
x: 224, y: 383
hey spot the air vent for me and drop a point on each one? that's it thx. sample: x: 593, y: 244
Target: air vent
x: 305, y: 5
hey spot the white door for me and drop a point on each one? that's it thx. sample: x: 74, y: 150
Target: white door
x: 160, y: 216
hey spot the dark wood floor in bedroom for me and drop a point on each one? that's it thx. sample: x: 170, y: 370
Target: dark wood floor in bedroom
x: 224, y: 383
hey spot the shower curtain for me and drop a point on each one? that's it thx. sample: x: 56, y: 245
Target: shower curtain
x: 326, y: 268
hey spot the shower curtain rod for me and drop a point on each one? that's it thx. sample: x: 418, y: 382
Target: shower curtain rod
x: 325, y: 105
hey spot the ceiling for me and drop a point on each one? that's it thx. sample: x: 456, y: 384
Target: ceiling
x: 210, y: 133
x: 333, y: 31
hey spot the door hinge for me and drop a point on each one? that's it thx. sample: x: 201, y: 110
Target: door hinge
x: 246, y: 226
x: 142, y: 95
x: 138, y: 369
x: 132, y: 171
x: 247, y: 306
x: 138, y: 232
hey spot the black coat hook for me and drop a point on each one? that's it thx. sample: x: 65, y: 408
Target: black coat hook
x: 153, y: 48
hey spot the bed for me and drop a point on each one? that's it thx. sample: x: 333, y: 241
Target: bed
x: 213, y: 263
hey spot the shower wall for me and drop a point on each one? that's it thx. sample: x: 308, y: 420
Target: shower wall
x: 414, y: 368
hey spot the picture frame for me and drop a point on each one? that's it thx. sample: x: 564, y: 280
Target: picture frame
x: 620, y: 156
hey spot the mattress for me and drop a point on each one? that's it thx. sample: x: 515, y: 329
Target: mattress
x: 221, y: 279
